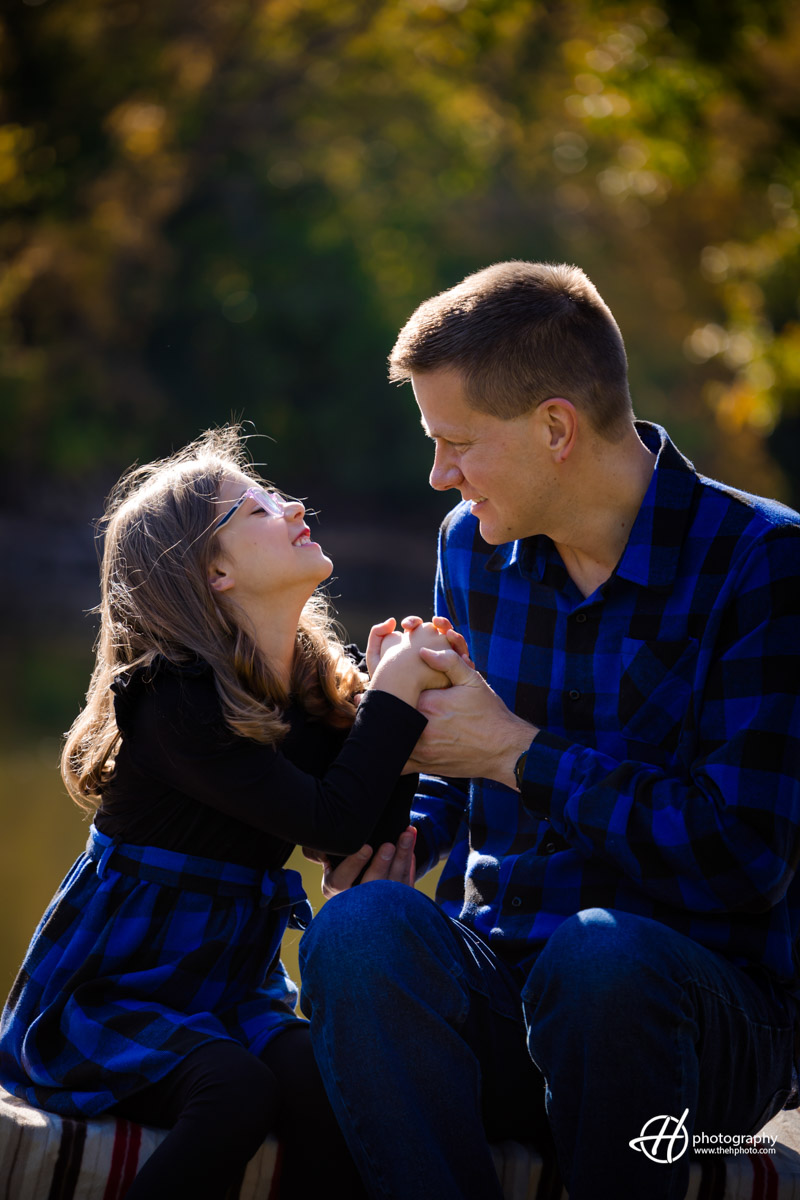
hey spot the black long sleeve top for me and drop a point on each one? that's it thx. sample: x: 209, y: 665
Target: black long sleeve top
x: 183, y: 781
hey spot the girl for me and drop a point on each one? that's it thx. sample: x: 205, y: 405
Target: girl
x: 221, y: 728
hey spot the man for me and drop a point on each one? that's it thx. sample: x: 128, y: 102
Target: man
x: 616, y: 786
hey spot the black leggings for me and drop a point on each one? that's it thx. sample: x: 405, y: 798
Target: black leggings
x: 220, y: 1104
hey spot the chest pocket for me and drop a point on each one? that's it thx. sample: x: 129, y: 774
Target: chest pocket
x: 656, y: 690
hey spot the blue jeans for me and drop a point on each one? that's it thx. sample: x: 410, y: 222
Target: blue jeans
x: 420, y: 1032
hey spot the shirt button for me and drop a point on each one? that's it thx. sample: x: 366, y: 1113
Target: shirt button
x: 580, y: 618
x: 574, y: 695
x: 516, y: 901
x: 549, y: 848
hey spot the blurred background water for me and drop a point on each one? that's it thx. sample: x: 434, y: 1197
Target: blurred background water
x: 226, y: 209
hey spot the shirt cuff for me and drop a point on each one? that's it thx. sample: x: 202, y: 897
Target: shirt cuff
x: 547, y: 769
x: 424, y: 856
x: 378, y: 706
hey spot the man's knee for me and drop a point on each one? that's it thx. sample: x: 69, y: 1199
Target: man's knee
x: 373, y: 938
x: 594, y: 953
x: 361, y: 926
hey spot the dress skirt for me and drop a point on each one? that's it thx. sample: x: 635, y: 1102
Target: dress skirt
x: 142, y: 956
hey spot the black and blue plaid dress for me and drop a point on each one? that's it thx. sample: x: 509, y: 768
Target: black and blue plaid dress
x: 146, y: 951
x: 142, y: 956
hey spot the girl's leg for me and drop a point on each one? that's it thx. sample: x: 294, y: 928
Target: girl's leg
x: 219, y: 1105
x: 316, y: 1161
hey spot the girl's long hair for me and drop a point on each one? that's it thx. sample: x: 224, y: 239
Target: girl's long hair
x: 156, y: 600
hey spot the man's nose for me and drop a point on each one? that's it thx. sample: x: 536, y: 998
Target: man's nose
x: 445, y: 472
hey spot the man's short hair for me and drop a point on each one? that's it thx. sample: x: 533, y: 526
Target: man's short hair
x: 520, y: 333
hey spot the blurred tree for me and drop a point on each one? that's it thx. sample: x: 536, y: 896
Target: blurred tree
x: 228, y: 207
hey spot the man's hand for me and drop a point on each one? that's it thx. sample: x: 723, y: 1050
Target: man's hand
x: 471, y: 732
x: 390, y: 862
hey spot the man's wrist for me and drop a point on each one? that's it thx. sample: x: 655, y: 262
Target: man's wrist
x: 514, y: 747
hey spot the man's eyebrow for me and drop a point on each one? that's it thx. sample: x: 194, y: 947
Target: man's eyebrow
x: 452, y: 439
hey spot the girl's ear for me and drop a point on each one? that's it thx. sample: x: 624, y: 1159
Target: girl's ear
x: 219, y: 579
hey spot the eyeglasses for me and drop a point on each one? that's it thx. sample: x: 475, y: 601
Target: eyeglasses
x: 269, y: 501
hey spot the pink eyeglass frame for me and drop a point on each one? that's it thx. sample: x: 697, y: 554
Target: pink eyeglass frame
x: 264, y: 499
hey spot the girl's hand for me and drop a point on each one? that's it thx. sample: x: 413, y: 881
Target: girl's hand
x: 381, y: 638
x: 455, y: 639
x: 403, y: 672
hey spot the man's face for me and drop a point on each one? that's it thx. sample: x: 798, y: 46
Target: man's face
x: 501, y: 467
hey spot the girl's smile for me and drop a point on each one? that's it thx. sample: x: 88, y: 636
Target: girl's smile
x: 256, y: 539
x: 304, y: 538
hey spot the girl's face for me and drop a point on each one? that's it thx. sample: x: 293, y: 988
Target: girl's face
x: 260, y: 551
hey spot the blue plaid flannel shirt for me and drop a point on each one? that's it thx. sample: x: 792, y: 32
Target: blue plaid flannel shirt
x: 666, y: 779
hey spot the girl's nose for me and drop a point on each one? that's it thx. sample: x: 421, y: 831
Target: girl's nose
x: 292, y: 509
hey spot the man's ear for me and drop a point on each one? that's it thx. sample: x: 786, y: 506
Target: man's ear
x: 560, y: 421
x: 220, y: 579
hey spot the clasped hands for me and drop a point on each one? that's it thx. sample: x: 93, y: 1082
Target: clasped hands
x: 470, y: 733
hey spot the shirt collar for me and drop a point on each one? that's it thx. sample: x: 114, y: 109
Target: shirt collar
x: 653, y: 548
x: 530, y: 553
